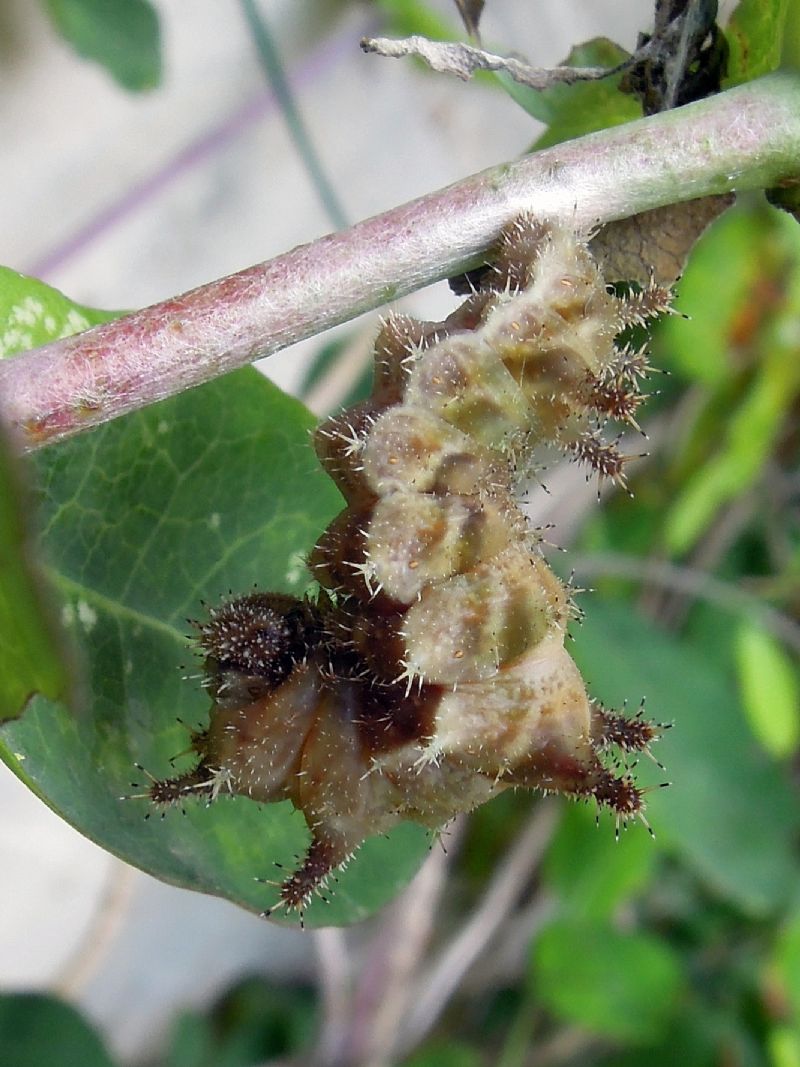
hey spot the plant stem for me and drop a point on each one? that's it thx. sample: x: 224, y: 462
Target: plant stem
x: 746, y: 138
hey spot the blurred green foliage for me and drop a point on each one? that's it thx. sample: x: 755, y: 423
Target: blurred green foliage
x: 252, y: 1022
x: 37, y: 1030
x: 573, y: 110
x: 32, y: 659
x: 755, y: 38
x: 121, y: 35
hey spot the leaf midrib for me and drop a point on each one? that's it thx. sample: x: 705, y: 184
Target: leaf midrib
x: 115, y: 608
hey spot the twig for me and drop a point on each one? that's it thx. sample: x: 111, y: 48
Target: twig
x: 504, y: 890
x: 463, y: 60
x: 570, y: 1045
x: 104, y: 926
x: 746, y: 138
x: 387, y: 981
x: 334, y: 986
x: 693, y: 583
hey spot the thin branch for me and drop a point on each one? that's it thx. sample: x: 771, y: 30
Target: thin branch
x: 694, y: 583
x: 388, y: 980
x: 463, y: 60
x: 746, y: 138
x: 335, y: 976
x: 504, y: 890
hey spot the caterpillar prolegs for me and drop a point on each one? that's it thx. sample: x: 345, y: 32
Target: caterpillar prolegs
x: 431, y: 673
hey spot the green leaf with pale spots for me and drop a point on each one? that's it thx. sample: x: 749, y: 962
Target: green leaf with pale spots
x: 214, y: 490
x: 32, y: 313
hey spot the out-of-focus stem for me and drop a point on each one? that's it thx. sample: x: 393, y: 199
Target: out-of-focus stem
x: 746, y: 138
x: 270, y: 60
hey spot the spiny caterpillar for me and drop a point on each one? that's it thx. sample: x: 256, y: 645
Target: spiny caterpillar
x: 431, y: 673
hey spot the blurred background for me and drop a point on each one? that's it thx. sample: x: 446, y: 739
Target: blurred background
x: 535, y: 938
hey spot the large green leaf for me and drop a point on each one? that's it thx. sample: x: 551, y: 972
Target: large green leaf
x: 731, y: 812
x: 214, y: 490
x: 121, y: 35
x: 32, y: 313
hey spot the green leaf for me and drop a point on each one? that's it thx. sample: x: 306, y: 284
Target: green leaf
x: 622, y: 986
x: 217, y: 489
x: 191, y: 1039
x: 36, y: 1029
x: 405, y: 18
x: 731, y: 813
x: 755, y: 37
x: 32, y: 313
x: 213, y: 490
x: 31, y: 655
x: 573, y: 110
x: 783, y: 1043
x: 254, y: 1021
x: 770, y: 691
x: 609, y: 871
x: 122, y: 35
x: 694, y: 1039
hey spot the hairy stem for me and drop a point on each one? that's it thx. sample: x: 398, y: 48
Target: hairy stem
x: 746, y: 138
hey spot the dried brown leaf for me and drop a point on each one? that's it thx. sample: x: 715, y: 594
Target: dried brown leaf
x: 464, y: 59
x: 655, y: 244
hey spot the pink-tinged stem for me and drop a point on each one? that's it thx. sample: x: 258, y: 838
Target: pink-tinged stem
x: 746, y: 138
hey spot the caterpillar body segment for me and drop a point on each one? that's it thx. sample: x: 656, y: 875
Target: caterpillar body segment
x: 431, y: 672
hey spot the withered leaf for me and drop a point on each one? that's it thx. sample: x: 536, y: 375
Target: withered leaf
x: 655, y: 244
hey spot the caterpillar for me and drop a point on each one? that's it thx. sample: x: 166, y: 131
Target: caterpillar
x: 430, y: 672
